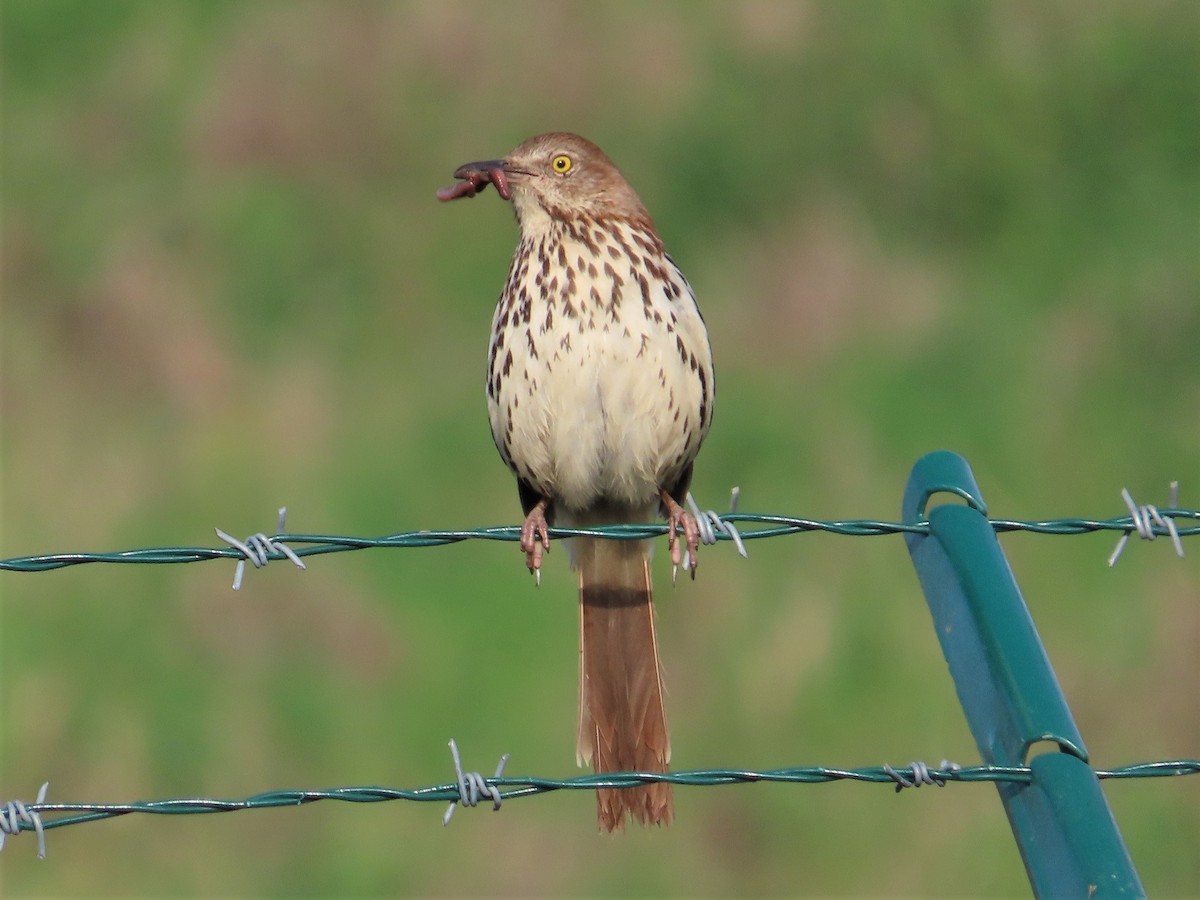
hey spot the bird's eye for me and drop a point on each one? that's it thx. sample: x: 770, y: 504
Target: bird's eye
x: 561, y: 164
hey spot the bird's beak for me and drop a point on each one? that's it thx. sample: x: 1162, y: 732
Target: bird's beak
x: 476, y: 176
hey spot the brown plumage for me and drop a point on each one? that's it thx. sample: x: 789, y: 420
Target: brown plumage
x: 600, y: 391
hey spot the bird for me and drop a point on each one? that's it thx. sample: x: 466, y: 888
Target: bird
x: 600, y: 392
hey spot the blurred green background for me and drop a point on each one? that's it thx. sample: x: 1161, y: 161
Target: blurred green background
x: 227, y: 287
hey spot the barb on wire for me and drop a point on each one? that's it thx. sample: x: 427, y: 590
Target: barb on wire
x: 1145, y: 518
x: 27, y: 816
x: 921, y: 774
x: 260, y: 549
x: 16, y: 816
x: 712, y: 524
x: 472, y: 785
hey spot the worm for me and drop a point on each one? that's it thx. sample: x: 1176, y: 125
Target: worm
x: 474, y: 180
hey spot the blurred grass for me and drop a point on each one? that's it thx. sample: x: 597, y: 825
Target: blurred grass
x: 227, y: 287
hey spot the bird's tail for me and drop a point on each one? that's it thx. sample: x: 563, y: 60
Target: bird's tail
x: 622, y: 721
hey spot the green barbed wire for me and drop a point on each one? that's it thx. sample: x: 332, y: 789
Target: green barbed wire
x: 28, y: 817
x: 17, y: 816
x: 303, y: 545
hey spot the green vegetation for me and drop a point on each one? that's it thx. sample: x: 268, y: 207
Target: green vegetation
x: 227, y: 286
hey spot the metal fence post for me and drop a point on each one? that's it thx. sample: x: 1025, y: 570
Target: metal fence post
x: 1063, y: 826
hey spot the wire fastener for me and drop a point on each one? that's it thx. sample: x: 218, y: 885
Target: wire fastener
x: 14, y: 813
x: 1145, y: 518
x: 472, y: 785
x: 258, y: 549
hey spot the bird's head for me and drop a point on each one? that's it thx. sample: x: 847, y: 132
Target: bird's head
x: 554, y: 176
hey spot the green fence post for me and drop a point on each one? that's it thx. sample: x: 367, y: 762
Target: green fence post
x: 1063, y: 826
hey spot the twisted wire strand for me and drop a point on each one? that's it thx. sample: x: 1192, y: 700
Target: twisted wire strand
x: 469, y: 788
x: 304, y: 545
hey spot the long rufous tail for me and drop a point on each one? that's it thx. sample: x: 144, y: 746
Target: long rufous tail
x: 622, y: 721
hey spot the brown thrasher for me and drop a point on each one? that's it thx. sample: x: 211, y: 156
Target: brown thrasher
x: 600, y: 392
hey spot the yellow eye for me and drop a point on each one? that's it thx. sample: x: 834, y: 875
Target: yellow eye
x: 561, y: 164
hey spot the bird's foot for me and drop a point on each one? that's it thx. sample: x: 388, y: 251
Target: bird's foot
x: 678, y: 519
x: 535, y: 539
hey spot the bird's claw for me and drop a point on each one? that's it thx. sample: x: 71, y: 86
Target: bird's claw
x: 680, y: 520
x: 535, y: 540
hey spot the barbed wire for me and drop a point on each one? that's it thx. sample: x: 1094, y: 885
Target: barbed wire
x: 261, y: 548
x: 470, y: 787
x: 1146, y: 521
